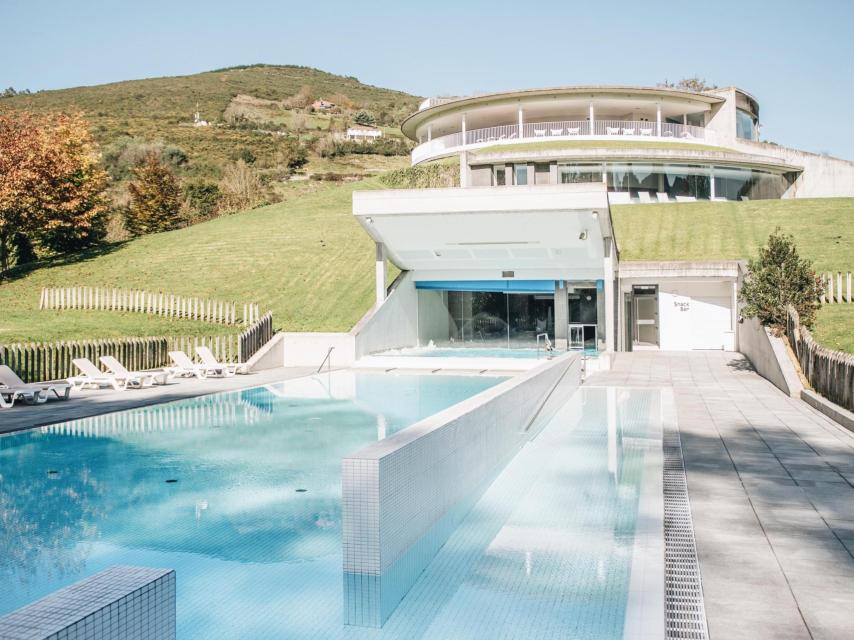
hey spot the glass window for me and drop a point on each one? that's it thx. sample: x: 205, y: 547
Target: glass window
x: 521, y: 174
x: 745, y: 125
x: 500, y: 176
x: 574, y: 173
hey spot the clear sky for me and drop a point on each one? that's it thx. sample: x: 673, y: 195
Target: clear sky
x: 794, y: 56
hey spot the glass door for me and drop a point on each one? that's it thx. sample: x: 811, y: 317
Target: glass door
x: 645, y: 316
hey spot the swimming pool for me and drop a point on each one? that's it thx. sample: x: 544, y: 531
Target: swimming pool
x: 469, y: 352
x: 548, y: 551
x: 239, y: 492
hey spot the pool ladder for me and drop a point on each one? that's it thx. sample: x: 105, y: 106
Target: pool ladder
x: 547, y: 345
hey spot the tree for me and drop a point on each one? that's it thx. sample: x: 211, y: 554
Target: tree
x: 364, y: 118
x: 777, y: 278
x: 695, y: 83
x: 155, y: 198
x: 52, y: 188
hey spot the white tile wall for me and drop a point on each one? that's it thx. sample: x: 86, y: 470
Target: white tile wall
x: 403, y: 496
x: 119, y: 603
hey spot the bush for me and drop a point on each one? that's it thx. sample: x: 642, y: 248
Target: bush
x: 292, y: 154
x: 331, y: 148
x: 241, y: 187
x: 121, y: 156
x: 201, y: 199
x: 423, y: 176
x: 777, y: 278
x: 364, y: 118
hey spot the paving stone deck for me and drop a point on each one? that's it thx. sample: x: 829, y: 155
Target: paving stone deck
x: 771, y: 484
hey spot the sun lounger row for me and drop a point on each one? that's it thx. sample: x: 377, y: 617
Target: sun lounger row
x: 117, y: 377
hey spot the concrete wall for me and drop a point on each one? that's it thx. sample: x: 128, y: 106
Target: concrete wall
x: 392, y: 325
x: 433, y: 319
x: 695, y: 315
x: 403, y: 496
x: 768, y: 355
x: 119, y: 603
x: 309, y: 349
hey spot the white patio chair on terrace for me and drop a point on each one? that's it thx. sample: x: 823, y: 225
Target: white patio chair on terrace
x: 539, y: 132
x: 667, y: 134
x: 573, y: 131
x: 8, y: 397
x: 556, y: 132
x: 512, y: 135
x: 10, y: 379
x: 612, y: 131
x: 209, y: 360
x: 92, y: 377
x: 147, y: 378
x: 628, y: 132
x: 646, y: 132
x: 186, y: 368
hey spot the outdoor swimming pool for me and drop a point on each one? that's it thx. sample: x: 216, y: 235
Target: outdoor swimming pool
x: 240, y: 494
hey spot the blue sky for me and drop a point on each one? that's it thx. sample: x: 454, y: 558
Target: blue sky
x: 794, y: 56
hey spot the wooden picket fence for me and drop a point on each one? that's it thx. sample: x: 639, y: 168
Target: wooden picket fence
x: 160, y: 304
x: 829, y: 372
x: 838, y: 287
x: 255, y: 337
x: 37, y: 362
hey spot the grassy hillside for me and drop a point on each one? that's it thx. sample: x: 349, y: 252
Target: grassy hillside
x: 307, y: 259
x: 734, y: 230
x: 834, y: 327
x: 161, y: 109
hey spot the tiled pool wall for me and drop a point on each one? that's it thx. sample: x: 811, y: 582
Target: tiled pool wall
x: 119, y: 603
x: 404, y: 496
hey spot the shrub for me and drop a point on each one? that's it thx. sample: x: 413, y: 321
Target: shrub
x: 121, y: 156
x: 201, y: 199
x: 364, y: 118
x: 777, y: 278
x: 423, y: 176
x: 240, y: 187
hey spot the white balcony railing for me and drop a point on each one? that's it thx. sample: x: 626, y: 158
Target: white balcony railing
x: 562, y: 130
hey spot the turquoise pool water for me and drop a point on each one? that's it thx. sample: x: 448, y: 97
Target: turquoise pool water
x: 252, y: 521
x: 470, y: 352
x: 546, y: 552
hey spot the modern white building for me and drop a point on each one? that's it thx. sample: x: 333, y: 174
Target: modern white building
x: 525, y: 246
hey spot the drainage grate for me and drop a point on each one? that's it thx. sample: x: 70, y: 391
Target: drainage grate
x: 684, y: 614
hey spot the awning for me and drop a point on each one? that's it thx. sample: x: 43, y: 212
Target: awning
x: 507, y: 286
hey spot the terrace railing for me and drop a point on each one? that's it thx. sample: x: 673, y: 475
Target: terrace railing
x: 557, y: 130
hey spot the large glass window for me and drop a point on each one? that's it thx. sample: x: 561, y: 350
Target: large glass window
x: 745, y: 125
x: 520, y: 172
x: 574, y: 173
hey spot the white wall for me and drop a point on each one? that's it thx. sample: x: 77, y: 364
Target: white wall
x: 768, y: 355
x: 309, y: 349
x: 695, y: 315
x: 403, y: 496
x: 392, y: 325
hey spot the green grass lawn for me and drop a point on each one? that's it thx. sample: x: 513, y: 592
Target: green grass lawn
x: 734, y: 230
x: 597, y: 144
x: 306, y: 259
x: 834, y: 327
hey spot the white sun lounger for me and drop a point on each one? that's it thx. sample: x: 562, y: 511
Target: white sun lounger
x: 662, y: 196
x: 209, y: 359
x: 94, y: 378
x: 619, y: 197
x: 185, y: 368
x: 686, y: 199
x: 8, y: 395
x: 644, y: 197
x: 9, y: 378
x: 146, y: 378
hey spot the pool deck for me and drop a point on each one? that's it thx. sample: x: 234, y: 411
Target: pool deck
x: 771, y: 485
x: 84, y: 404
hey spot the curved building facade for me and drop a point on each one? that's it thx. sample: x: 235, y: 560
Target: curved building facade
x: 524, y: 249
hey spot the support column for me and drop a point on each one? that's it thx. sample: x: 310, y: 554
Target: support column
x: 657, y: 120
x: 561, y: 316
x: 711, y: 183
x: 592, y: 120
x: 610, y: 300
x: 464, y: 129
x: 521, y: 123
x: 429, y: 132
x: 380, y: 272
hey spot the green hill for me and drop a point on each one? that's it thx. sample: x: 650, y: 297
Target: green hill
x: 308, y: 260
x: 162, y: 109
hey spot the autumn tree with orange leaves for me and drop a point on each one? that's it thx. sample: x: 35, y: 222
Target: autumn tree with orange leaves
x: 52, y: 187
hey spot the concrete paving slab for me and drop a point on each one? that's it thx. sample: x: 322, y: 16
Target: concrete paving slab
x: 771, y: 484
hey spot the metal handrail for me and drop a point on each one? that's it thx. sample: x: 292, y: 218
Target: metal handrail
x: 326, y: 359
